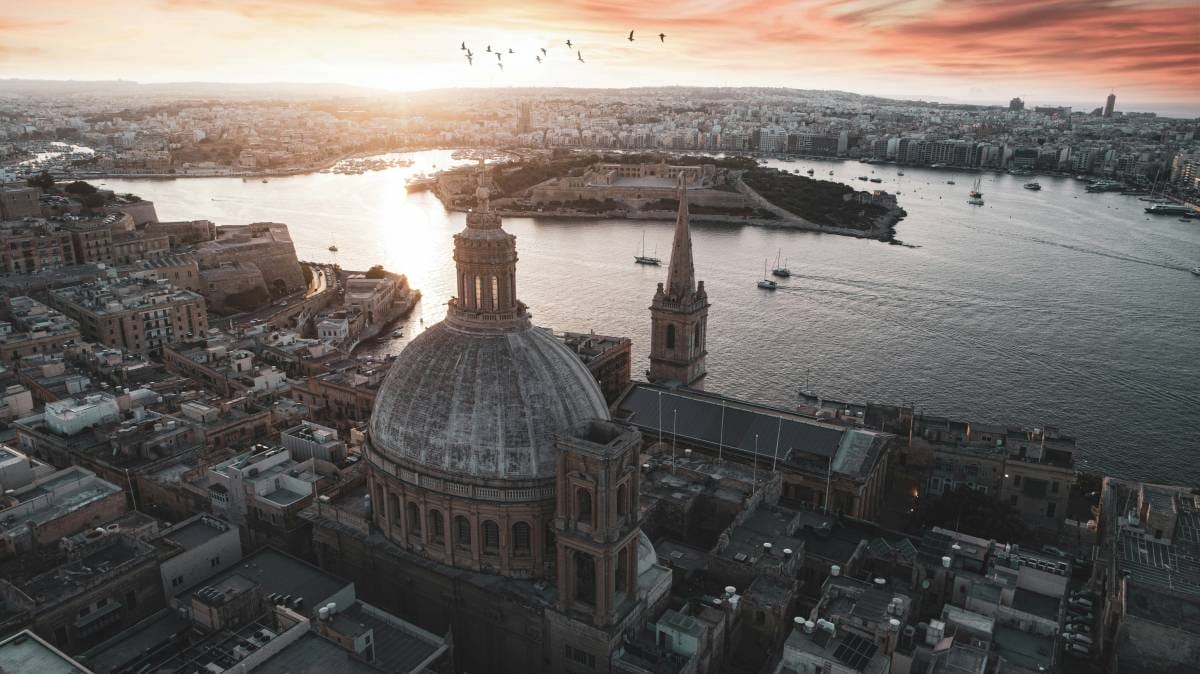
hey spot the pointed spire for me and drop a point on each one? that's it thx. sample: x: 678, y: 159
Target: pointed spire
x: 681, y: 275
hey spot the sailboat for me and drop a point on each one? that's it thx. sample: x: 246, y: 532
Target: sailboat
x: 766, y: 283
x: 642, y: 258
x: 976, y: 196
x: 780, y: 270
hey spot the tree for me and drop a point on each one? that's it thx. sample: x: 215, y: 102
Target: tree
x: 92, y: 201
x: 377, y: 271
x: 44, y: 181
x: 80, y: 188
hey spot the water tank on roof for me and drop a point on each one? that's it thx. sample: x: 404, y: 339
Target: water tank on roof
x: 835, y: 570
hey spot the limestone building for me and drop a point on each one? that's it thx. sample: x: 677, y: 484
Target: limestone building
x: 679, y: 313
x: 496, y: 477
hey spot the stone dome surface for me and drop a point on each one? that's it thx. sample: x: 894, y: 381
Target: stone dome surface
x: 480, y: 406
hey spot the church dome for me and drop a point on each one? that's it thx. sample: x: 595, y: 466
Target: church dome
x: 475, y: 406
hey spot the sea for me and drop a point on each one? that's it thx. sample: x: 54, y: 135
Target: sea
x: 1040, y: 308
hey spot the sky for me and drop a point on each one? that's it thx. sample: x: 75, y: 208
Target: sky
x: 984, y: 51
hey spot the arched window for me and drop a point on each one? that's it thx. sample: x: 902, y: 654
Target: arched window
x: 414, y: 519
x: 585, y: 578
x: 622, y: 498
x: 670, y: 336
x: 478, y: 292
x: 583, y: 506
x: 491, y: 537
x: 437, y: 526
x: 462, y: 530
x: 394, y: 509
x: 522, y: 544
x: 495, y: 294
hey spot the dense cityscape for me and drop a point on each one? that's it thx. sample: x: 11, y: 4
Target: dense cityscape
x: 219, y: 454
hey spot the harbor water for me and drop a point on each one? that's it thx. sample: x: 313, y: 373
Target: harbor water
x: 1052, y: 307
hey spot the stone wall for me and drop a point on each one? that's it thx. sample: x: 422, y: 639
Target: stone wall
x: 265, y: 245
x: 217, y: 285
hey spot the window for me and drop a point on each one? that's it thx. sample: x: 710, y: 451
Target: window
x: 215, y: 562
x: 670, y: 336
x: 478, y: 293
x: 521, y: 535
x: 462, y: 530
x: 1016, y: 480
x: 1054, y: 487
x: 437, y: 527
x: 585, y: 578
x: 583, y: 506
x: 177, y: 581
x: 1050, y: 508
x: 696, y: 341
x: 580, y: 656
x: 394, y: 509
x: 622, y: 497
x: 491, y: 537
x: 414, y: 519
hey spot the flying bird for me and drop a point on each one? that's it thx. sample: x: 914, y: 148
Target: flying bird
x: 543, y: 51
x: 470, y: 60
x: 498, y: 55
x: 539, y: 58
x: 511, y: 51
x: 631, y: 36
x: 662, y: 37
x: 470, y: 53
x: 568, y: 44
x: 581, y: 57
x: 464, y: 46
x: 501, y: 65
x: 489, y: 47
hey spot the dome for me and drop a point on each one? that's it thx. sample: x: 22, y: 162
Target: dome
x: 475, y: 406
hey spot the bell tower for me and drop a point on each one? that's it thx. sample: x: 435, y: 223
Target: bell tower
x: 597, y: 523
x: 679, y: 313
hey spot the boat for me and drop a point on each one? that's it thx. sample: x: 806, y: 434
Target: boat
x: 1196, y: 271
x: 1168, y: 209
x: 1105, y: 186
x: 863, y: 178
x: 949, y: 182
x: 1033, y: 186
x: 900, y: 173
x: 831, y: 173
x: 810, y: 171
x: 781, y: 270
x: 397, y: 334
x: 265, y: 180
x: 642, y: 258
x: 876, y: 180
x: 333, y: 248
x: 420, y: 183
x: 976, y: 197
x: 766, y: 283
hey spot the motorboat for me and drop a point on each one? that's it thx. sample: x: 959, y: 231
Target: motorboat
x: 1035, y: 186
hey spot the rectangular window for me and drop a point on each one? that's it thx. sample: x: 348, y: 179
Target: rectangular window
x: 1054, y: 487
x: 1050, y: 507
x: 1016, y: 480
x: 582, y: 657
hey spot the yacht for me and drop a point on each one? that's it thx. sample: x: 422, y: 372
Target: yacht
x: 876, y: 180
x: 781, y: 270
x: 333, y: 248
x: 863, y: 178
x: 976, y: 197
x: 1196, y: 271
x: 1168, y: 209
x: 900, y: 173
x: 642, y: 258
x: 766, y: 283
x: 1033, y: 186
x: 949, y: 182
x: 397, y: 334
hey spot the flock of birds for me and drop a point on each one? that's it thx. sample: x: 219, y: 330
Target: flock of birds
x: 662, y: 38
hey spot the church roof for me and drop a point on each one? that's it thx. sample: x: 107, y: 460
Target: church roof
x: 681, y: 274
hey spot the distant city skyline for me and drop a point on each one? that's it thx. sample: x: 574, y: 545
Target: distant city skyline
x: 1070, y: 52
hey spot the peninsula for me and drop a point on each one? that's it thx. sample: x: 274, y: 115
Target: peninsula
x: 732, y: 190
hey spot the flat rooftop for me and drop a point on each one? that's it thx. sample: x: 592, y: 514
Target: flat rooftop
x: 279, y: 573
x: 195, y: 532
x: 25, y: 652
x: 1030, y: 651
x: 312, y: 654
